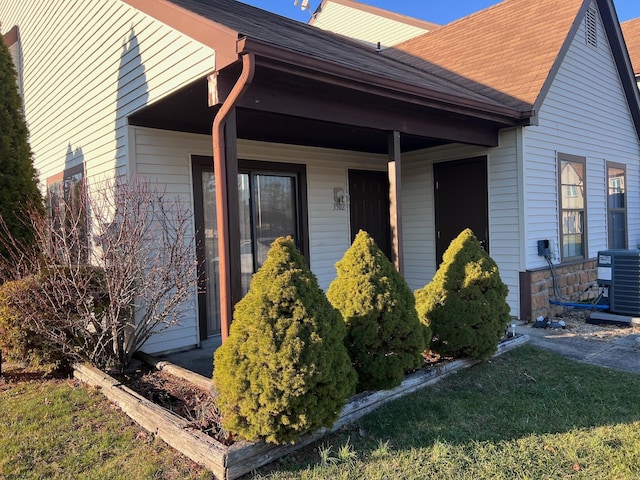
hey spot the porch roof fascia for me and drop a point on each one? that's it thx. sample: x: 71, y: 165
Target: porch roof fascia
x: 284, y: 59
x: 212, y: 34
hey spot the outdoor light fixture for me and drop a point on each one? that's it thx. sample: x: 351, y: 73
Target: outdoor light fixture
x: 340, y: 199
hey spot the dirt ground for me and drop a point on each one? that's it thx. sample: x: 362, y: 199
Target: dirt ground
x: 576, y: 324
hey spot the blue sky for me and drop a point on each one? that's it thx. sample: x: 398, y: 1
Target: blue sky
x: 437, y: 11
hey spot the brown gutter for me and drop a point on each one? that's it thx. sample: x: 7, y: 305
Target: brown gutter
x: 222, y: 201
x: 279, y: 58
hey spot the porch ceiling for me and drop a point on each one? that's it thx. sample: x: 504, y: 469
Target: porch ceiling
x: 284, y: 108
x: 187, y: 111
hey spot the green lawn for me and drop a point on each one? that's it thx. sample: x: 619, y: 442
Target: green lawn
x: 58, y: 429
x: 525, y: 415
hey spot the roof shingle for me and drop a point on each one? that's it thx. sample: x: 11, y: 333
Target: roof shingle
x: 631, y: 32
x: 307, y: 40
x: 510, y: 47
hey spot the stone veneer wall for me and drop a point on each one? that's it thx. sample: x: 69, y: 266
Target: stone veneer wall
x: 573, y: 280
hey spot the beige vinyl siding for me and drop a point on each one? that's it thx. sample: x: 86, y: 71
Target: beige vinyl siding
x: 87, y: 66
x: 329, y: 230
x: 364, y: 26
x: 418, y: 225
x: 418, y: 220
x: 585, y: 113
x: 505, y: 236
x: 164, y: 157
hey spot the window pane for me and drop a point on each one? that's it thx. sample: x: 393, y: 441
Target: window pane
x: 246, y: 247
x: 616, y: 188
x: 274, y: 210
x: 617, y: 229
x: 572, y: 246
x: 572, y: 222
x: 572, y: 234
x: 211, y: 264
x: 572, y: 178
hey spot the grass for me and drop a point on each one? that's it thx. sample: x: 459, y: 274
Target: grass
x: 58, y: 429
x: 525, y: 415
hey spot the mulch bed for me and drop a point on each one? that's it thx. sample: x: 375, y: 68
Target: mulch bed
x: 180, y: 396
x: 195, y: 404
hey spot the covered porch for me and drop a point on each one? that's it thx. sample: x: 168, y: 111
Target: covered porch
x: 310, y: 89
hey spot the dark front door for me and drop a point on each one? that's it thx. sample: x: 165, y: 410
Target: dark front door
x: 461, y: 201
x: 369, y: 192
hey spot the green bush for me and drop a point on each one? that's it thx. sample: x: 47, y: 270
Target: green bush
x: 18, y: 178
x: 18, y: 342
x: 54, y: 317
x: 465, y: 303
x: 385, y: 339
x: 284, y: 370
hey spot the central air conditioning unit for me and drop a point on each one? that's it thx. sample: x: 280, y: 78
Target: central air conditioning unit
x: 619, y: 274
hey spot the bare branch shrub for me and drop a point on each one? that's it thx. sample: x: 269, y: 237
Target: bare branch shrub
x: 110, y: 268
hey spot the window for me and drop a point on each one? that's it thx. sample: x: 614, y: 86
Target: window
x: 572, y: 206
x: 12, y: 41
x: 270, y: 207
x: 67, y: 211
x: 616, y: 205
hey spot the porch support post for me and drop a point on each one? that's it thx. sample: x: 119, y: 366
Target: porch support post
x: 226, y: 179
x: 395, y: 214
x: 233, y: 207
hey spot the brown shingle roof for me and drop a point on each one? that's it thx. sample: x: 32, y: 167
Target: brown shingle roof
x: 313, y: 42
x: 509, y: 47
x: 631, y: 32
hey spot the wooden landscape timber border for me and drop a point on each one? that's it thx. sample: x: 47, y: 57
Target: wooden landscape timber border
x: 231, y: 462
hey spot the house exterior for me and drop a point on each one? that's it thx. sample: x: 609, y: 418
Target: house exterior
x: 373, y: 26
x: 269, y: 127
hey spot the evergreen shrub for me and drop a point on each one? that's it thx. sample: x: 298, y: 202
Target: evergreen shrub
x: 385, y: 339
x: 46, y: 318
x: 283, y: 371
x: 465, y: 303
x: 19, y: 191
x: 18, y: 342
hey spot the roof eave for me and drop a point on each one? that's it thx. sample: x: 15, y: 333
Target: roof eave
x: 212, y: 34
x: 620, y: 54
x: 621, y: 57
x: 383, y: 86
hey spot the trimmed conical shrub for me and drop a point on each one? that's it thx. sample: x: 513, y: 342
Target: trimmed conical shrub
x: 384, y: 336
x: 465, y: 303
x: 284, y: 370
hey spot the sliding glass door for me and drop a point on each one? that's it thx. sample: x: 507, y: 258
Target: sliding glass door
x: 270, y: 200
x: 268, y: 210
